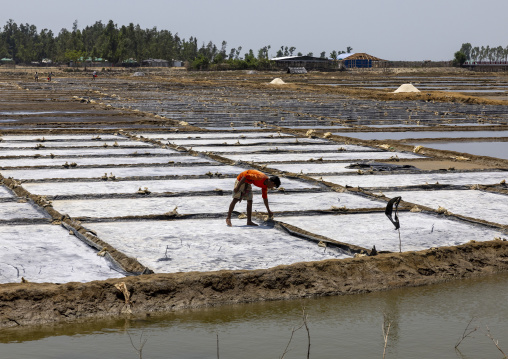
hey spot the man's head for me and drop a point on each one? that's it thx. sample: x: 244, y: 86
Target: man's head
x: 273, y: 182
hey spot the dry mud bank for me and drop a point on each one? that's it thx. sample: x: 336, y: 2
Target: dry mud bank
x: 152, y: 146
x: 31, y: 303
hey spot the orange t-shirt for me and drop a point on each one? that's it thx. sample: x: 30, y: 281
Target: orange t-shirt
x: 257, y: 179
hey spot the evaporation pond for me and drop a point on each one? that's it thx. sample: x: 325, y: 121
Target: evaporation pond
x: 61, y: 137
x: 15, y: 210
x: 328, y: 146
x: 99, y: 151
x: 421, y: 134
x: 99, y: 161
x: 317, y: 156
x: 154, y: 186
x: 492, y: 149
x: 208, y: 245
x: 119, y: 172
x: 245, y: 141
x: 47, y: 253
x: 54, y: 144
x: 215, y: 135
x: 328, y: 167
x: 476, y: 204
x: 418, y: 230
x: 415, y: 179
x: 122, y: 207
x: 5, y: 193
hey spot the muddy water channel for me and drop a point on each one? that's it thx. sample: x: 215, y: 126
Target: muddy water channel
x: 424, y: 322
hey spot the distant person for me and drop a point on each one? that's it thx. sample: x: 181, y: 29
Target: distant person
x: 50, y: 75
x: 36, y: 76
x: 243, y: 190
x: 94, y: 75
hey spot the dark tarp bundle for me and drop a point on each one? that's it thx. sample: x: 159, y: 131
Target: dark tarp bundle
x: 394, y: 202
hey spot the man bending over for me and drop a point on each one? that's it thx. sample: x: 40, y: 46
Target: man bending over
x: 243, y: 190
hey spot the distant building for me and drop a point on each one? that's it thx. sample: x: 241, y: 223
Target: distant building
x: 155, y: 63
x: 307, y: 62
x: 130, y: 63
x: 90, y: 62
x: 359, y: 60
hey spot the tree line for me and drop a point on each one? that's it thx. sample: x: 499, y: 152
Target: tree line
x: 483, y: 53
x: 24, y: 44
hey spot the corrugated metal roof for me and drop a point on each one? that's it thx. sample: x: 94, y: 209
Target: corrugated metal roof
x: 299, y: 58
x: 344, y: 56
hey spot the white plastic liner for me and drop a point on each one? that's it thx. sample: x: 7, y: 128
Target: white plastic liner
x: 418, y: 231
x: 246, y: 141
x: 401, y: 180
x: 477, y: 204
x: 60, y: 137
x: 118, y: 172
x: 338, y: 156
x: 5, y: 193
x: 156, y: 186
x: 105, y: 208
x: 47, y: 253
x: 48, y: 144
x: 14, y: 210
x: 328, y: 146
x: 208, y: 245
x: 329, y: 167
x: 214, y: 135
x: 100, y: 151
x: 99, y: 161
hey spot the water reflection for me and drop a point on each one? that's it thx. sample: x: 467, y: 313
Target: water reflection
x: 425, y: 322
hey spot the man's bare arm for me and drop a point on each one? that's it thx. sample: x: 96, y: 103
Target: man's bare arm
x: 270, y: 213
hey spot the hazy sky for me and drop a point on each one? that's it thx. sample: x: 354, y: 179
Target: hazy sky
x: 389, y: 29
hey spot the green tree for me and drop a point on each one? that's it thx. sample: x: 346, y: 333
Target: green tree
x: 74, y: 56
x: 201, y: 62
x: 466, y: 49
x: 459, y: 59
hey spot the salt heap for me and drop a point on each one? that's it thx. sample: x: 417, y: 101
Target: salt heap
x: 406, y: 88
x: 277, y: 81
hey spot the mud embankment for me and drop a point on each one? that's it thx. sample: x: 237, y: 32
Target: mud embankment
x: 32, y: 303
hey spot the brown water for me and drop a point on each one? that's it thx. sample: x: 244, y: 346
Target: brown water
x: 426, y: 322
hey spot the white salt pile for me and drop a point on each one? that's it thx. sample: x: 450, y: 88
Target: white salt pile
x: 138, y: 74
x: 406, y: 88
x: 277, y: 81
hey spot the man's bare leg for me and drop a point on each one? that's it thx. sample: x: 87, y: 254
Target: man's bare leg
x: 231, y: 208
x: 249, y: 214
